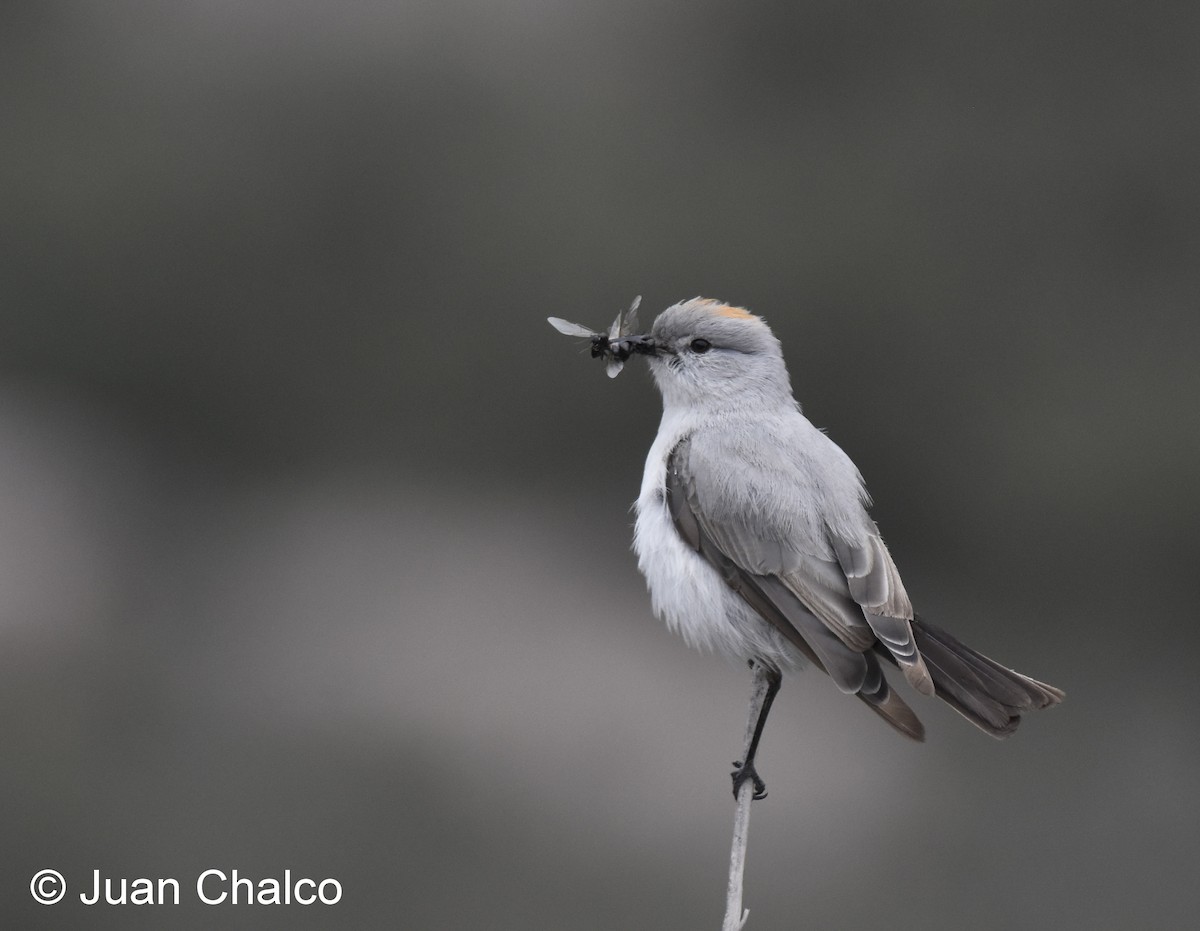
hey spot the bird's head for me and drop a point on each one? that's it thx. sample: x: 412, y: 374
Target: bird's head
x: 714, y: 356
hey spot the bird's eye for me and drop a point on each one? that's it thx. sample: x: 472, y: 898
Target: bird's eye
x: 701, y: 345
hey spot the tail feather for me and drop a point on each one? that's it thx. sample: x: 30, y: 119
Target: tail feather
x: 879, y: 697
x: 990, y: 696
x: 955, y: 684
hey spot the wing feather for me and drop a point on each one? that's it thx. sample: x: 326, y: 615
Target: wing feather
x: 874, y: 583
x: 823, y: 623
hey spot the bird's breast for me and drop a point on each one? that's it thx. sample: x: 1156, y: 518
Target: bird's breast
x: 685, y: 590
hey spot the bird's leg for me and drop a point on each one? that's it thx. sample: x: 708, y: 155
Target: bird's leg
x: 766, y: 684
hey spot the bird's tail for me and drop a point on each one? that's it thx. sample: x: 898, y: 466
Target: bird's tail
x: 990, y: 696
x: 880, y: 698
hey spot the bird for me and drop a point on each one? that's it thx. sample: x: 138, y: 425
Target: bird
x: 755, y: 540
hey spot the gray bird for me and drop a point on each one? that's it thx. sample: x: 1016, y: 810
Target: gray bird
x: 753, y: 534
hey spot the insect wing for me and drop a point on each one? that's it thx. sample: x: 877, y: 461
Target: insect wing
x: 630, y: 322
x: 570, y: 329
x: 615, y: 330
x: 614, y: 366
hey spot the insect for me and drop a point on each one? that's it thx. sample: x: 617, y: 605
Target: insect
x: 615, y: 346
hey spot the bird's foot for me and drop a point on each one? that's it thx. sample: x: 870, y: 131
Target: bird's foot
x: 746, y: 771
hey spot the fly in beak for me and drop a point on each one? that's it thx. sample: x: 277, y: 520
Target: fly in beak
x: 615, y: 346
x: 623, y: 347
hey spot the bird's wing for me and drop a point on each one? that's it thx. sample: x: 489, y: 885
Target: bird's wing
x: 796, y: 512
x: 795, y: 583
x: 874, y: 583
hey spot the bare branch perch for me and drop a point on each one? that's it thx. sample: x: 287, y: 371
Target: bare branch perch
x: 735, y: 916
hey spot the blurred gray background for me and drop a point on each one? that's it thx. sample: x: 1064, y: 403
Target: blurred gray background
x: 314, y: 537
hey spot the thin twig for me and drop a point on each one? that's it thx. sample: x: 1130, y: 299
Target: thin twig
x: 735, y: 915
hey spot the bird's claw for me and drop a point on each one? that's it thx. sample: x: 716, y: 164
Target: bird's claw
x: 743, y: 772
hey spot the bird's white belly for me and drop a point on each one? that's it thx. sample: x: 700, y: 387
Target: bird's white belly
x: 687, y: 592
